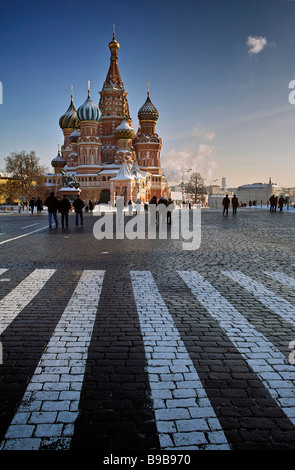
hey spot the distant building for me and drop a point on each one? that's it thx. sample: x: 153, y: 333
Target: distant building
x: 223, y: 184
x: 259, y: 192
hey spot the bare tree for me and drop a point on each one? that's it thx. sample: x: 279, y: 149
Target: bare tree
x: 26, y: 169
x: 195, y: 188
x: 10, y: 190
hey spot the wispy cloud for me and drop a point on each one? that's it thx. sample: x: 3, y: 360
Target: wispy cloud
x: 256, y: 44
x: 203, y: 133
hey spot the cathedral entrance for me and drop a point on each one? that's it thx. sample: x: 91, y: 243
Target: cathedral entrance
x: 105, y: 196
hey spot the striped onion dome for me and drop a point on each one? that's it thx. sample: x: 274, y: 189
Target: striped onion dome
x: 69, y: 118
x: 148, y: 112
x: 58, y: 161
x: 89, y: 111
x: 124, y: 131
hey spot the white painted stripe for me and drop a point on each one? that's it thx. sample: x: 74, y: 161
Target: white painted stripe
x: 31, y: 225
x: 14, y: 302
x: 2, y: 271
x: 24, y: 235
x: 281, y: 277
x: 49, y: 408
x: 184, y: 416
x: 271, y: 366
x: 274, y: 302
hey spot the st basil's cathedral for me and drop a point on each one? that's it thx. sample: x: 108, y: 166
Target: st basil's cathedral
x: 101, y: 149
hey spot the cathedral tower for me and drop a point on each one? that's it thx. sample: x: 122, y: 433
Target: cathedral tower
x: 147, y: 143
x: 113, y: 105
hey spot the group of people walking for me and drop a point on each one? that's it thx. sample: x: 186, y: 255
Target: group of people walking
x: 274, y: 203
x: 36, y: 203
x: 166, y: 203
x: 273, y: 200
x: 63, y: 206
x: 226, y: 203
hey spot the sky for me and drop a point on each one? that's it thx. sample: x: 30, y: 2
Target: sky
x: 219, y: 73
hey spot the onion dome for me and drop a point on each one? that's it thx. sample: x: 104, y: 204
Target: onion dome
x: 69, y: 119
x: 124, y: 131
x: 89, y: 111
x: 148, y: 112
x: 114, y: 44
x: 58, y: 161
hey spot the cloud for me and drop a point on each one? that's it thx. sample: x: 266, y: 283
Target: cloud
x: 256, y: 44
x: 199, y: 159
x: 203, y: 134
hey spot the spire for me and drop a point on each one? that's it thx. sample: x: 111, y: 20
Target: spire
x: 113, y: 79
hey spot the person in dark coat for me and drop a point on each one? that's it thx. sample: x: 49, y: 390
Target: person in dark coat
x: 52, y: 205
x: 153, y: 210
x: 78, y: 205
x: 32, y: 205
x: 225, y: 203
x: 64, y: 208
x: 281, y: 203
x: 235, y: 204
x: 162, y: 204
x: 90, y: 205
x: 39, y: 205
x: 170, y: 206
x: 273, y: 203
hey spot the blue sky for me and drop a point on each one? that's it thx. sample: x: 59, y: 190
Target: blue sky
x: 224, y: 110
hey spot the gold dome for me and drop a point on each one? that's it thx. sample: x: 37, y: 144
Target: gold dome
x: 114, y: 44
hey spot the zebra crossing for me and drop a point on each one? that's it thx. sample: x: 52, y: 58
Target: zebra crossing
x: 184, y: 416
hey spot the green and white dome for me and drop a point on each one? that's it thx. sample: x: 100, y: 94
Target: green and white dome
x: 69, y: 119
x: 89, y: 111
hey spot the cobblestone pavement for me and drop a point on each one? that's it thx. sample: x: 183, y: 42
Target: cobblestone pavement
x: 140, y: 346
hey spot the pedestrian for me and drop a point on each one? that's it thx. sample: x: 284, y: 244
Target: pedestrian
x: 170, y: 205
x: 225, y: 203
x: 281, y: 203
x: 32, y: 205
x: 64, y: 207
x: 90, y: 205
x: 39, y: 205
x: 78, y: 205
x: 52, y: 204
x: 153, y: 210
x: 271, y: 200
x: 235, y: 204
x: 130, y: 207
x: 162, y: 204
